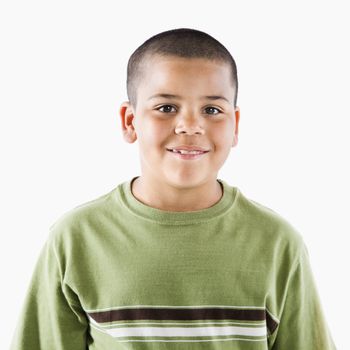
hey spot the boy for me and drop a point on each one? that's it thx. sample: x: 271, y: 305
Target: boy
x: 175, y: 258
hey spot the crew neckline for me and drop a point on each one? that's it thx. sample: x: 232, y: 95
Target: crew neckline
x: 160, y: 216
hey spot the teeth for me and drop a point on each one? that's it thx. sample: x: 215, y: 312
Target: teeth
x: 187, y: 152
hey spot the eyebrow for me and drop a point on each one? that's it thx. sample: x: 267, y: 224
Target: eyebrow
x: 212, y: 97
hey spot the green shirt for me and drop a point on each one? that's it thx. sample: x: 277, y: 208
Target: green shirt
x: 118, y: 274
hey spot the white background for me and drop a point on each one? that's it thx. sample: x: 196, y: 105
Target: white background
x: 63, y: 77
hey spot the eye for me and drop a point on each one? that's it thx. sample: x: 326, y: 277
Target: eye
x: 167, y: 108
x: 212, y: 108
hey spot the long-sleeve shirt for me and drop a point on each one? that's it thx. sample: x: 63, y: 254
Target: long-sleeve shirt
x: 118, y: 274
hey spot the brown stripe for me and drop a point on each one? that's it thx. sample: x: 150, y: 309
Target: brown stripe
x: 270, y: 323
x: 134, y: 314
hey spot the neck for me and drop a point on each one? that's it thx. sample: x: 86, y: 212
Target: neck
x: 169, y: 198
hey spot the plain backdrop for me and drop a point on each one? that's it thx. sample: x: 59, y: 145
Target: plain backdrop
x: 63, y: 78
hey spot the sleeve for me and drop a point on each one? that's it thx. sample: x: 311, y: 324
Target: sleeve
x: 302, y: 321
x: 51, y: 316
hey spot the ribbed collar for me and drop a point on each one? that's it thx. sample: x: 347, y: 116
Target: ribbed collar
x: 226, y: 202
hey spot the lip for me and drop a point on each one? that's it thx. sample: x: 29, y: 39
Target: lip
x: 188, y: 156
x: 188, y: 148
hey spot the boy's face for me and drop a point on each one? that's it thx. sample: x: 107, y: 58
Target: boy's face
x: 188, y: 118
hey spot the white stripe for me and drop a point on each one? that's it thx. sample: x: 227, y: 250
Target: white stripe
x: 174, y: 307
x: 94, y: 322
x: 187, y: 340
x: 184, y: 332
x: 153, y: 323
x: 179, y: 340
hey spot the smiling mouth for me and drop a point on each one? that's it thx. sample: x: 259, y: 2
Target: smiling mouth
x: 184, y: 151
x: 187, y: 154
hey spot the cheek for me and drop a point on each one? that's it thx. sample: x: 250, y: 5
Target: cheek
x: 153, y: 136
x: 222, y: 137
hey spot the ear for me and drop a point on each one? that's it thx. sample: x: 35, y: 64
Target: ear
x: 127, y: 120
x: 237, y: 116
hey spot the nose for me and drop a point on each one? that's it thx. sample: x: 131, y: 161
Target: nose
x: 189, y: 124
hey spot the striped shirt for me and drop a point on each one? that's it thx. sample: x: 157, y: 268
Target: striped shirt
x: 117, y: 274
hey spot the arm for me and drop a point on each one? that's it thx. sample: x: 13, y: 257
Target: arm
x: 302, y: 322
x: 52, y: 317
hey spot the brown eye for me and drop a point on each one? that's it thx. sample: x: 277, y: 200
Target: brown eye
x: 167, y: 108
x: 211, y: 109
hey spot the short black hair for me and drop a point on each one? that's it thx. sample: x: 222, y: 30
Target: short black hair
x: 181, y: 42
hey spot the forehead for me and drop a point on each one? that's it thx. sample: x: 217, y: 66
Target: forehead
x: 186, y: 75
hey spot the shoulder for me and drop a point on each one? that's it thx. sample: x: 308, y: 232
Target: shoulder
x: 77, y: 222
x: 268, y: 227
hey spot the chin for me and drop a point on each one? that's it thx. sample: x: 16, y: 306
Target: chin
x: 186, y: 181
